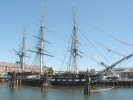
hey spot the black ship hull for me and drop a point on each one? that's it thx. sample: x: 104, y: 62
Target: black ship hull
x: 75, y: 80
x: 67, y: 83
x: 69, y: 80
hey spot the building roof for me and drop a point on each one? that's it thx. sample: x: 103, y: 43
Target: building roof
x: 128, y: 70
x: 17, y: 65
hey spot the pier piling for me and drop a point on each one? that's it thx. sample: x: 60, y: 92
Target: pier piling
x: 13, y: 80
x: 87, y: 87
x: 45, y: 80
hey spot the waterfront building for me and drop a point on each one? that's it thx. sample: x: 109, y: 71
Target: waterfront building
x: 10, y: 67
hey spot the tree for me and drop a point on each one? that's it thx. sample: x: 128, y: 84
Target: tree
x: 50, y: 70
x: 17, y: 62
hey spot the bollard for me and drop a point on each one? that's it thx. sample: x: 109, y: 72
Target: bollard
x: 87, y: 90
x: 45, y: 80
x: 19, y: 81
x: 13, y: 80
x: 87, y: 87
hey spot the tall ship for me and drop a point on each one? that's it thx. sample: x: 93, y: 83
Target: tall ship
x: 71, y: 77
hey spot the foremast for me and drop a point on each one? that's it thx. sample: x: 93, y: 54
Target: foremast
x: 40, y: 48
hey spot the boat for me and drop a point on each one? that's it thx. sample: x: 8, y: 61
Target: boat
x: 72, y: 77
x: 77, y: 79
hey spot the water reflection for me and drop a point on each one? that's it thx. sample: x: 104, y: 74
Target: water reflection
x: 62, y: 93
x: 44, y: 93
x: 87, y: 97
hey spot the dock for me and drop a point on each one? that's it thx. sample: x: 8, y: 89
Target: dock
x: 116, y: 83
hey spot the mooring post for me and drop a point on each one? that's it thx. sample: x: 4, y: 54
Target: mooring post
x: 1, y: 81
x: 21, y: 77
x: 19, y: 81
x: 13, y: 80
x: 45, y: 80
x: 87, y: 87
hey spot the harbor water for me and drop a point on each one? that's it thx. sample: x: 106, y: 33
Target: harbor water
x: 64, y: 93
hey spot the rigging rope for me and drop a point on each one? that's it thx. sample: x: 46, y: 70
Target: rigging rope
x: 63, y: 61
x: 109, y: 34
x: 93, y: 46
x: 109, y: 50
x: 131, y: 45
x: 56, y: 34
x: 128, y: 62
x: 66, y: 52
x: 95, y: 60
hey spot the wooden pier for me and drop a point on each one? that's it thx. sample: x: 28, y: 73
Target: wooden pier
x: 119, y: 83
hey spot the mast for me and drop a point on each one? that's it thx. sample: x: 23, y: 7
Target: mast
x: 40, y: 49
x: 74, y: 46
x: 22, y: 51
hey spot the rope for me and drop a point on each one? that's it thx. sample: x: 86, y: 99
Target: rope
x: 109, y: 50
x: 91, y: 58
x: 110, y: 35
x: 93, y: 46
x: 55, y: 34
x: 63, y: 61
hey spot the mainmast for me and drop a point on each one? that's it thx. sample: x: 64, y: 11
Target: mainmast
x: 74, y: 46
x: 41, y: 42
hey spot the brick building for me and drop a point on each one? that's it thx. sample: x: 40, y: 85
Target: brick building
x: 128, y: 73
x: 10, y: 67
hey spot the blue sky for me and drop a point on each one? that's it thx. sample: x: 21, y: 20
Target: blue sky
x: 111, y: 16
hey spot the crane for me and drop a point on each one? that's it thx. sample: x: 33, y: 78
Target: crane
x: 99, y: 75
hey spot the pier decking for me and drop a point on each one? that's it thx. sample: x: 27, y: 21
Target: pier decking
x: 117, y: 83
